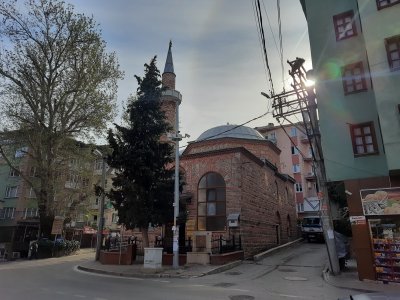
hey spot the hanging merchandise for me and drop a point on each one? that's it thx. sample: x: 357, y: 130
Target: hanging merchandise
x: 385, y: 233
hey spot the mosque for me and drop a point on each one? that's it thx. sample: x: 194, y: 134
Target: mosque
x: 232, y: 183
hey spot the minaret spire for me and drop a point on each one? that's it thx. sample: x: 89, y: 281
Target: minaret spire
x: 169, y: 64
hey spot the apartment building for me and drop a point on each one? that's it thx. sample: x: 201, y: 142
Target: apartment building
x: 355, y: 49
x: 296, y: 160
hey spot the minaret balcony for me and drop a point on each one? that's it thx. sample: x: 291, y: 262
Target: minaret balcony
x: 172, y: 93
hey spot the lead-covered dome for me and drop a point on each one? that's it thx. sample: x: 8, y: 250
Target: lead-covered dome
x: 231, y: 131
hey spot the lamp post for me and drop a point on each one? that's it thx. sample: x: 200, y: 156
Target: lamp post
x: 175, y: 244
x: 101, y: 205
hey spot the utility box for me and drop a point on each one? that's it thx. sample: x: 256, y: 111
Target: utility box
x: 233, y: 220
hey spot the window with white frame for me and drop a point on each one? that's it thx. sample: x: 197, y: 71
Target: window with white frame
x: 13, y: 173
x: 31, y: 193
x: 21, y: 152
x: 295, y: 150
x: 344, y: 24
x: 98, y: 164
x: 380, y: 4
x: 11, y: 192
x: 393, y: 52
x: 353, y: 78
x: 7, y: 213
x: 300, y: 207
x: 296, y: 168
x: 33, y: 172
x: 298, y: 187
x: 30, y: 212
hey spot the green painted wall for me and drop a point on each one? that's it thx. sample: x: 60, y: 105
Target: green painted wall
x: 337, y: 110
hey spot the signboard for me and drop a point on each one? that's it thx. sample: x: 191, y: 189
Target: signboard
x: 358, y: 220
x: 89, y: 230
x: 57, y: 225
x: 385, y: 201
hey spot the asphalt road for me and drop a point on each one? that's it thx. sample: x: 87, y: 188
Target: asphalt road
x: 293, y: 273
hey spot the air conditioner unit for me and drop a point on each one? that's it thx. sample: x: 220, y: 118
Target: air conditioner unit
x: 16, y: 255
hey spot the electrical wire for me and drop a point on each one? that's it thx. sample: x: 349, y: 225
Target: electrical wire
x: 260, y: 25
x: 278, y: 8
x: 259, y: 41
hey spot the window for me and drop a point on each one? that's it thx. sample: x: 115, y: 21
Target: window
x: 13, y: 173
x: 296, y: 168
x: 21, y: 152
x: 345, y: 26
x: 380, y: 4
x: 31, y: 212
x: 295, y: 150
x: 98, y: 165
x: 298, y: 187
x: 393, y: 52
x: 364, y: 139
x: 31, y: 193
x: 33, y: 172
x: 354, y: 78
x: 300, y: 207
x: 211, y: 203
x: 11, y: 192
x: 293, y: 131
x: 7, y: 213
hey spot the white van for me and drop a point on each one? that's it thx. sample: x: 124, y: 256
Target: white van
x: 311, y: 228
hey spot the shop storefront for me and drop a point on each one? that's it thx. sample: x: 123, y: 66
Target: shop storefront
x: 382, y: 212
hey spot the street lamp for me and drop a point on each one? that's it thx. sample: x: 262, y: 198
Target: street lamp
x: 101, y: 204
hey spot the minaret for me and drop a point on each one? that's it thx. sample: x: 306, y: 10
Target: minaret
x: 170, y: 98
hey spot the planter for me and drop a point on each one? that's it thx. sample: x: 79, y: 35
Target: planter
x: 153, y: 258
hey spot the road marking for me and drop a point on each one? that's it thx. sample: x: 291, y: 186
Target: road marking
x: 164, y: 281
x: 79, y: 296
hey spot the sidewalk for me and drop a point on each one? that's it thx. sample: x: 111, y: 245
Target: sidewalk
x: 137, y: 270
x: 187, y: 271
x: 348, y: 279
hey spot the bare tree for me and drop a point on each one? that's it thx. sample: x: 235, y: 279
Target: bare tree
x: 57, y: 84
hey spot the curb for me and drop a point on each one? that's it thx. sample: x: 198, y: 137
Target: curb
x: 223, y: 268
x: 216, y: 270
x: 262, y: 255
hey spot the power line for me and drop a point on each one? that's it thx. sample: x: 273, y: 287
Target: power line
x: 260, y: 25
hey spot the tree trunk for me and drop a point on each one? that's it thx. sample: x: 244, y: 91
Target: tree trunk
x: 145, y: 237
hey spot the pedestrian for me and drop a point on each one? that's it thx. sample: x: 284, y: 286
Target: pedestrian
x: 34, y: 250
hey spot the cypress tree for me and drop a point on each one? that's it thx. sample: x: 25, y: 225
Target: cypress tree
x: 143, y: 186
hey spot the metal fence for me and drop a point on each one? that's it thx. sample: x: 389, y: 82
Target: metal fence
x: 224, y: 245
x: 167, y: 245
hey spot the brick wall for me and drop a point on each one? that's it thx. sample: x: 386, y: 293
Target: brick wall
x: 252, y: 189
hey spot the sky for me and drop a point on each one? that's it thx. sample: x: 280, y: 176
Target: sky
x: 218, y: 61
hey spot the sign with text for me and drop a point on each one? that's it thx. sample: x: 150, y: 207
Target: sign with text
x: 57, y: 225
x: 384, y: 201
x: 358, y: 220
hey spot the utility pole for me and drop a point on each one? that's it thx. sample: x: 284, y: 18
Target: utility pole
x: 302, y: 99
x: 101, y: 205
x: 175, y: 244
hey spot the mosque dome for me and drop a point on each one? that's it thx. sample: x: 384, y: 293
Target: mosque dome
x: 231, y: 131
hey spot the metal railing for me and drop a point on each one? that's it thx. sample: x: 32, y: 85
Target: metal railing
x: 223, y: 245
x: 166, y: 244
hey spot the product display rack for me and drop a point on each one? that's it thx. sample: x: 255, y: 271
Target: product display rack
x: 387, y: 259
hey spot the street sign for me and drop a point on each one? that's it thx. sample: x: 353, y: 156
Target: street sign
x: 57, y: 225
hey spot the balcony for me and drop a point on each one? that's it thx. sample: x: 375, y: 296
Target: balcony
x: 308, y: 158
x: 304, y: 139
x: 310, y: 176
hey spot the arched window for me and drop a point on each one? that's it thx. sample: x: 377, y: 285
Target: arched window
x: 211, y: 203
